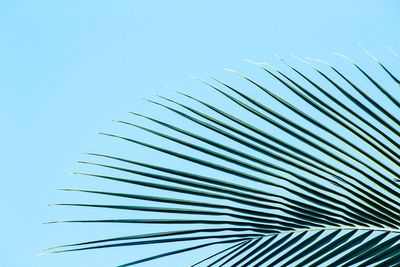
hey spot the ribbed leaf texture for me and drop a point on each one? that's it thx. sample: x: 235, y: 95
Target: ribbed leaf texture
x: 307, y: 175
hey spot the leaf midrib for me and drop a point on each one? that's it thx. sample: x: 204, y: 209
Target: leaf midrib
x: 394, y: 230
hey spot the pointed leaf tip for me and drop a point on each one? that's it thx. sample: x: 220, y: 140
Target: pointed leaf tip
x: 278, y: 56
x: 317, y: 60
x: 345, y: 58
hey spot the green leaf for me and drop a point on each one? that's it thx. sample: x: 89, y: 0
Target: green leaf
x: 306, y: 180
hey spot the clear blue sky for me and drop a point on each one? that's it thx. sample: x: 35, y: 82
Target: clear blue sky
x: 68, y: 67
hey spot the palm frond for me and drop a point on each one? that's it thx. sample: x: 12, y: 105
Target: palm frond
x: 304, y: 177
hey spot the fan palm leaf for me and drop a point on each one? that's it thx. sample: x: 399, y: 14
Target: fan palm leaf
x: 312, y: 183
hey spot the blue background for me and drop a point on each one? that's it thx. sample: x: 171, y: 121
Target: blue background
x: 68, y: 67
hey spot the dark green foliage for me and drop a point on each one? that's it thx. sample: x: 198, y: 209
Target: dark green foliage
x: 322, y: 193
